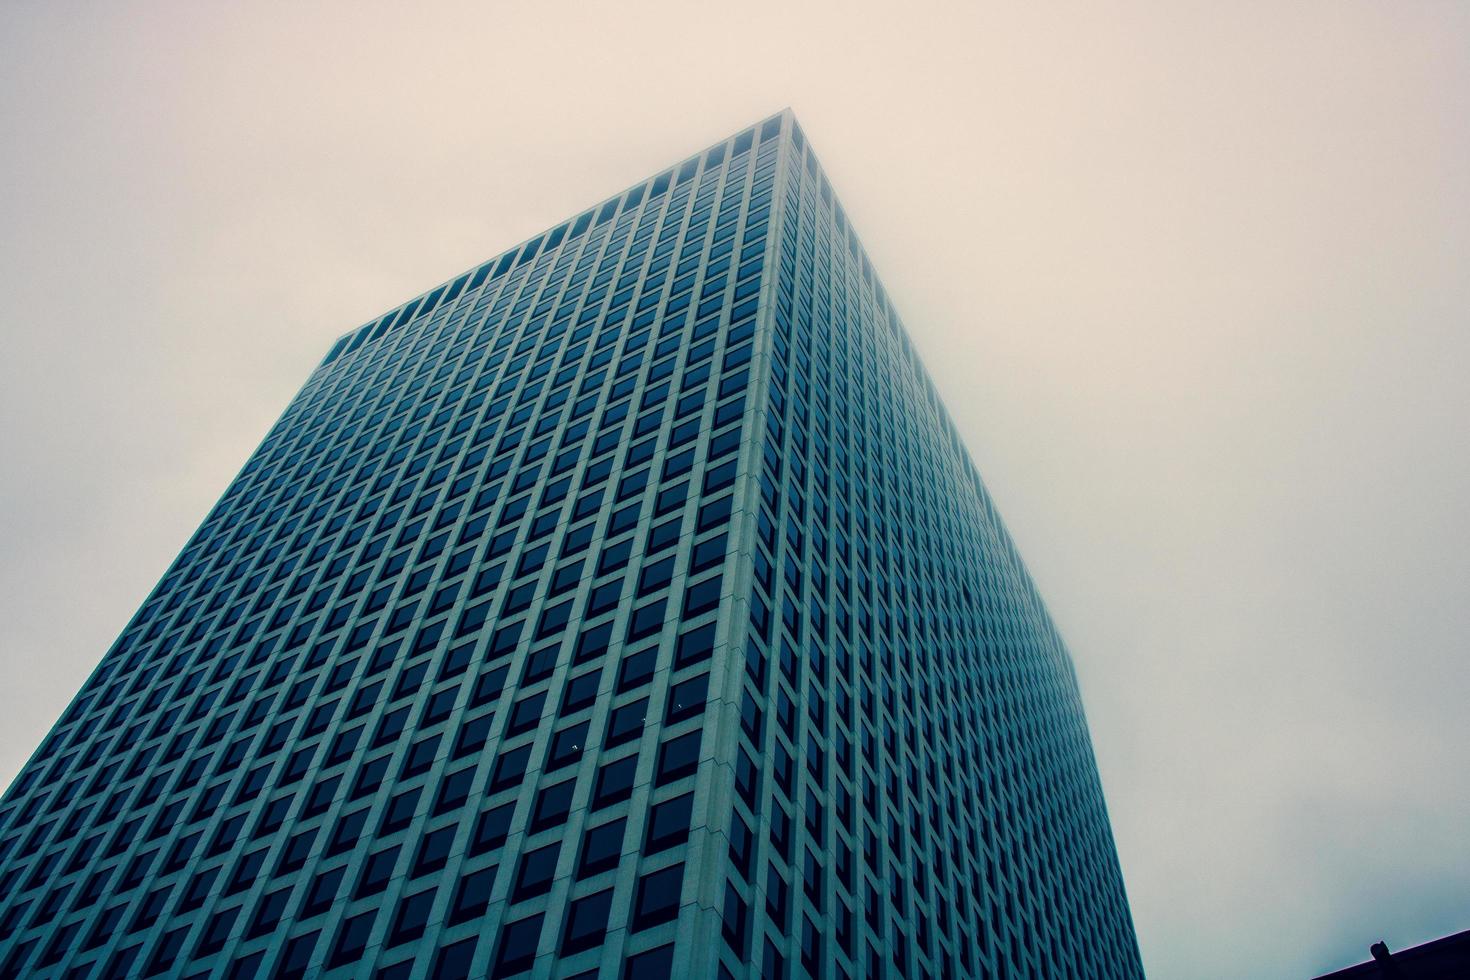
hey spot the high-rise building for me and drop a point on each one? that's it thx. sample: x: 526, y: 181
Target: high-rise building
x: 625, y: 607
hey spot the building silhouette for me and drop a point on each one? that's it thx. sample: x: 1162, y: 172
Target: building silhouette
x: 1446, y: 958
x: 625, y: 607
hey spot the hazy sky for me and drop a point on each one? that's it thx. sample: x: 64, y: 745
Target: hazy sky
x: 1194, y: 280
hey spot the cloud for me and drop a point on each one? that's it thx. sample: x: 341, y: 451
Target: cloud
x: 1191, y: 281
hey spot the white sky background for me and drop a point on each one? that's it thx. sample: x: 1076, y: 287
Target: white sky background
x: 1194, y: 280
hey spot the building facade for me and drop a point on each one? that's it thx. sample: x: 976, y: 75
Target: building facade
x: 625, y: 607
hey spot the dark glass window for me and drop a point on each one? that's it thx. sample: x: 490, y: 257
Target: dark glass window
x: 454, y: 791
x: 268, y: 913
x: 492, y: 828
x: 434, y: 851
x: 349, y: 829
x: 655, y: 576
x: 518, y: 942
x: 636, y: 669
x: 377, y: 871
x: 586, y: 922
x: 472, y: 896
x: 510, y: 768
x: 400, y: 810
x: 525, y: 714
x: 646, y: 620
x: 656, y: 964
x: 453, y: 961
x: 687, y: 699
x: 352, y: 939
x: 615, y: 782
x: 663, y: 536
x: 215, y: 936
x: 580, y: 692
x: 552, y: 806
x: 668, y: 824
x: 323, y: 892
x: 602, y: 846
x: 677, y: 758
x: 694, y: 646
x: 626, y: 723
x: 536, y: 869
x: 413, y: 916
x: 657, y: 897
x: 567, y: 746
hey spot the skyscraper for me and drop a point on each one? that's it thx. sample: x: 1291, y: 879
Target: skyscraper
x: 625, y: 607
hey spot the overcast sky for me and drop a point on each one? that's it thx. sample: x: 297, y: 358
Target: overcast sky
x: 1193, y: 279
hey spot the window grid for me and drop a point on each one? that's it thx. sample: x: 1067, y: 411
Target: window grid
x: 628, y: 603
